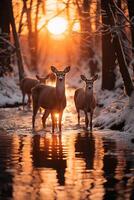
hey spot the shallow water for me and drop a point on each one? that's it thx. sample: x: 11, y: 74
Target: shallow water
x: 74, y: 165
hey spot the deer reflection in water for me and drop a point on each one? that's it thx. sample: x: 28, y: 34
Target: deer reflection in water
x: 85, y: 145
x: 49, y: 154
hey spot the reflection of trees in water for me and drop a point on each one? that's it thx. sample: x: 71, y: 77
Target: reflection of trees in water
x: 110, y: 163
x: 116, y: 166
x: 6, y: 177
x: 90, y: 149
x: 49, y: 154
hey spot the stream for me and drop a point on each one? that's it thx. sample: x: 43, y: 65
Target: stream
x: 74, y: 165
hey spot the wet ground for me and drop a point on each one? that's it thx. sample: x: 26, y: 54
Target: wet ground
x: 72, y: 165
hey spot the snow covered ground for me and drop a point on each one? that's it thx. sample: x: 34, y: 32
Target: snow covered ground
x: 9, y: 91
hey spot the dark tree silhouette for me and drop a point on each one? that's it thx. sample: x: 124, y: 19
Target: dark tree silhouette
x: 120, y: 51
x: 86, y: 50
x: 5, y: 33
x: 16, y: 40
x: 115, y: 48
x: 130, y: 4
x: 7, y: 19
x: 108, y: 51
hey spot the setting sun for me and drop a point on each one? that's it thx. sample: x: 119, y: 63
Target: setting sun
x: 57, y: 25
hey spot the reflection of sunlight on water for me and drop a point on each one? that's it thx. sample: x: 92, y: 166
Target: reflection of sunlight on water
x: 67, y: 166
x: 50, y: 162
x: 69, y: 116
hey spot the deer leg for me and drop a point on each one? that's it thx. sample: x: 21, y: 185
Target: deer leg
x: 78, y: 117
x: 29, y: 100
x: 60, y: 120
x: 86, y: 120
x: 45, y: 116
x: 35, y: 110
x: 53, y: 121
x: 55, y: 118
x: 91, y: 117
x: 40, y: 110
x: 23, y: 99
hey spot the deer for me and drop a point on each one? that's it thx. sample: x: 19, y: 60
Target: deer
x: 84, y: 100
x: 52, y: 99
x: 27, y: 84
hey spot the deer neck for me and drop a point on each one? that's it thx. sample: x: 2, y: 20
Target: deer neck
x: 60, y: 89
x: 89, y: 93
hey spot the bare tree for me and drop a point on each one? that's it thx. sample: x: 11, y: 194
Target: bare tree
x: 120, y: 51
x: 130, y: 4
x: 32, y: 9
x: 108, y: 51
x: 87, y: 51
x: 5, y: 34
x: 16, y: 40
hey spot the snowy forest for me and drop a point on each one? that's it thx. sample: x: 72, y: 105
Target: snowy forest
x: 67, y: 99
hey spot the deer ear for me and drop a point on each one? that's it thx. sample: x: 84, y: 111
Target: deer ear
x: 47, y: 76
x: 83, y: 77
x: 53, y: 69
x: 37, y: 76
x: 67, y: 69
x: 95, y: 77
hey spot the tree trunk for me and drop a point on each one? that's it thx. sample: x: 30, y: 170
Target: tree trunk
x: 123, y: 65
x: 108, y: 51
x: 86, y: 50
x: 120, y: 55
x: 16, y: 40
x: 31, y: 35
x: 5, y: 33
x: 130, y: 4
x: 36, y: 31
x: 85, y: 29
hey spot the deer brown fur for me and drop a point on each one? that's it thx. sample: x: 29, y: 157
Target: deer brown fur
x: 84, y: 100
x: 27, y: 84
x: 52, y: 99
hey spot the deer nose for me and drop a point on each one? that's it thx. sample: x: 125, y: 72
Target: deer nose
x: 60, y: 78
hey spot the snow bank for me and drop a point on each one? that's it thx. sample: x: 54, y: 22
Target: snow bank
x: 115, y: 112
x: 10, y: 93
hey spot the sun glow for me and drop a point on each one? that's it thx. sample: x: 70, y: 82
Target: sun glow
x: 41, y: 23
x: 76, y: 26
x: 57, y: 25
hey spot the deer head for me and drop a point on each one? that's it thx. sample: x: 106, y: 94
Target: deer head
x: 43, y: 79
x: 89, y: 82
x: 60, y: 74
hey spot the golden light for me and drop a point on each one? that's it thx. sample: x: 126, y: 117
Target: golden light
x: 41, y: 22
x: 57, y: 25
x: 76, y: 26
x: 56, y: 115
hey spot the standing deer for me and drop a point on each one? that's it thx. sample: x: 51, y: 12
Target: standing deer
x: 53, y: 99
x: 84, y: 100
x: 27, y: 84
